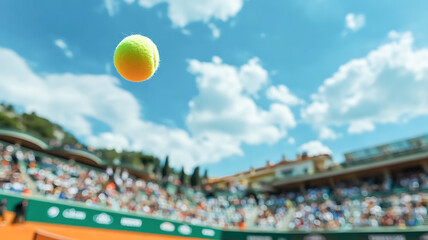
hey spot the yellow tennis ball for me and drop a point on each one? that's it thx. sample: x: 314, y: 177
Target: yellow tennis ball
x: 136, y: 58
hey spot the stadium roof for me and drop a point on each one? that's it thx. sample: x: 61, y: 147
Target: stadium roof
x: 268, y: 168
x: 78, y: 155
x: 27, y: 140
x: 24, y: 139
x: 375, y: 164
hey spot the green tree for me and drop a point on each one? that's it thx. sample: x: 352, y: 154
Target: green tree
x: 131, y: 158
x: 166, y: 171
x: 10, y: 108
x: 69, y: 139
x: 149, y: 160
x: 183, y: 177
x: 7, y: 122
x: 195, y: 179
x: 108, y: 155
x: 38, y: 126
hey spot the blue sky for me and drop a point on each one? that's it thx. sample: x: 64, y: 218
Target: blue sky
x: 239, y: 82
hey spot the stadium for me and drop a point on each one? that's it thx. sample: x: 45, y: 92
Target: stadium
x: 213, y: 120
x: 380, y: 192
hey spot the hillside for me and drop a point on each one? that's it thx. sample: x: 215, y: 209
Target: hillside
x: 56, y: 136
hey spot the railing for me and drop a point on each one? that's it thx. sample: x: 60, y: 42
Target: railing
x: 385, y: 156
x: 382, y: 233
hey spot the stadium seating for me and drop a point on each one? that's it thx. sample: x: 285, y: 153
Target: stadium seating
x: 350, y: 206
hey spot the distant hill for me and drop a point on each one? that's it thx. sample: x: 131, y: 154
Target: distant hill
x: 51, y: 133
x: 56, y: 136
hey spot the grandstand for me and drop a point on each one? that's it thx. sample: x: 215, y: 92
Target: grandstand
x: 378, y: 193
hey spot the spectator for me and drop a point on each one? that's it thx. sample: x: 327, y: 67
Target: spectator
x: 3, y: 209
x: 20, y: 212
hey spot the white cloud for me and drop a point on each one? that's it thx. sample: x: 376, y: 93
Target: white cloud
x: 253, y: 76
x: 60, y: 43
x: 112, y: 6
x: 327, y: 133
x: 183, y: 12
x: 63, y: 46
x: 110, y: 141
x: 221, y: 117
x: 60, y: 96
x: 69, y: 53
x: 355, y: 22
x: 222, y: 108
x: 389, y: 85
x: 291, y: 140
x: 360, y: 126
x: 215, y: 30
x: 185, y: 31
x: 314, y: 148
x: 282, y: 94
x: 108, y: 68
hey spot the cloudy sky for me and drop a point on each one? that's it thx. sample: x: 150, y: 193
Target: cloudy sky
x: 239, y: 82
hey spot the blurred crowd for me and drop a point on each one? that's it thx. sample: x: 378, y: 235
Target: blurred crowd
x: 116, y: 189
x: 413, y: 180
x: 349, y: 205
x: 11, y: 177
x: 392, y: 210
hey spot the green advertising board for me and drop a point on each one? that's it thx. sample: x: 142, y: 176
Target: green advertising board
x: 62, y: 212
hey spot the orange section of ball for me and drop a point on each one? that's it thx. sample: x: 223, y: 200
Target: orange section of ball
x: 136, y: 58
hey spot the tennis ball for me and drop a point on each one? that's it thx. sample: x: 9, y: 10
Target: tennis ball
x: 136, y: 58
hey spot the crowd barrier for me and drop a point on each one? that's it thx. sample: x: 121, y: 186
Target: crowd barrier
x: 393, y: 234
x: 75, y: 214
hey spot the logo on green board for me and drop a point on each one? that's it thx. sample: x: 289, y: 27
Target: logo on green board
x: 72, y: 213
x: 252, y: 237
x: 53, y: 212
x: 185, y: 230
x: 130, y: 222
x: 387, y: 237
x: 314, y: 237
x: 103, y: 218
x: 167, y: 227
x: 208, y: 232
